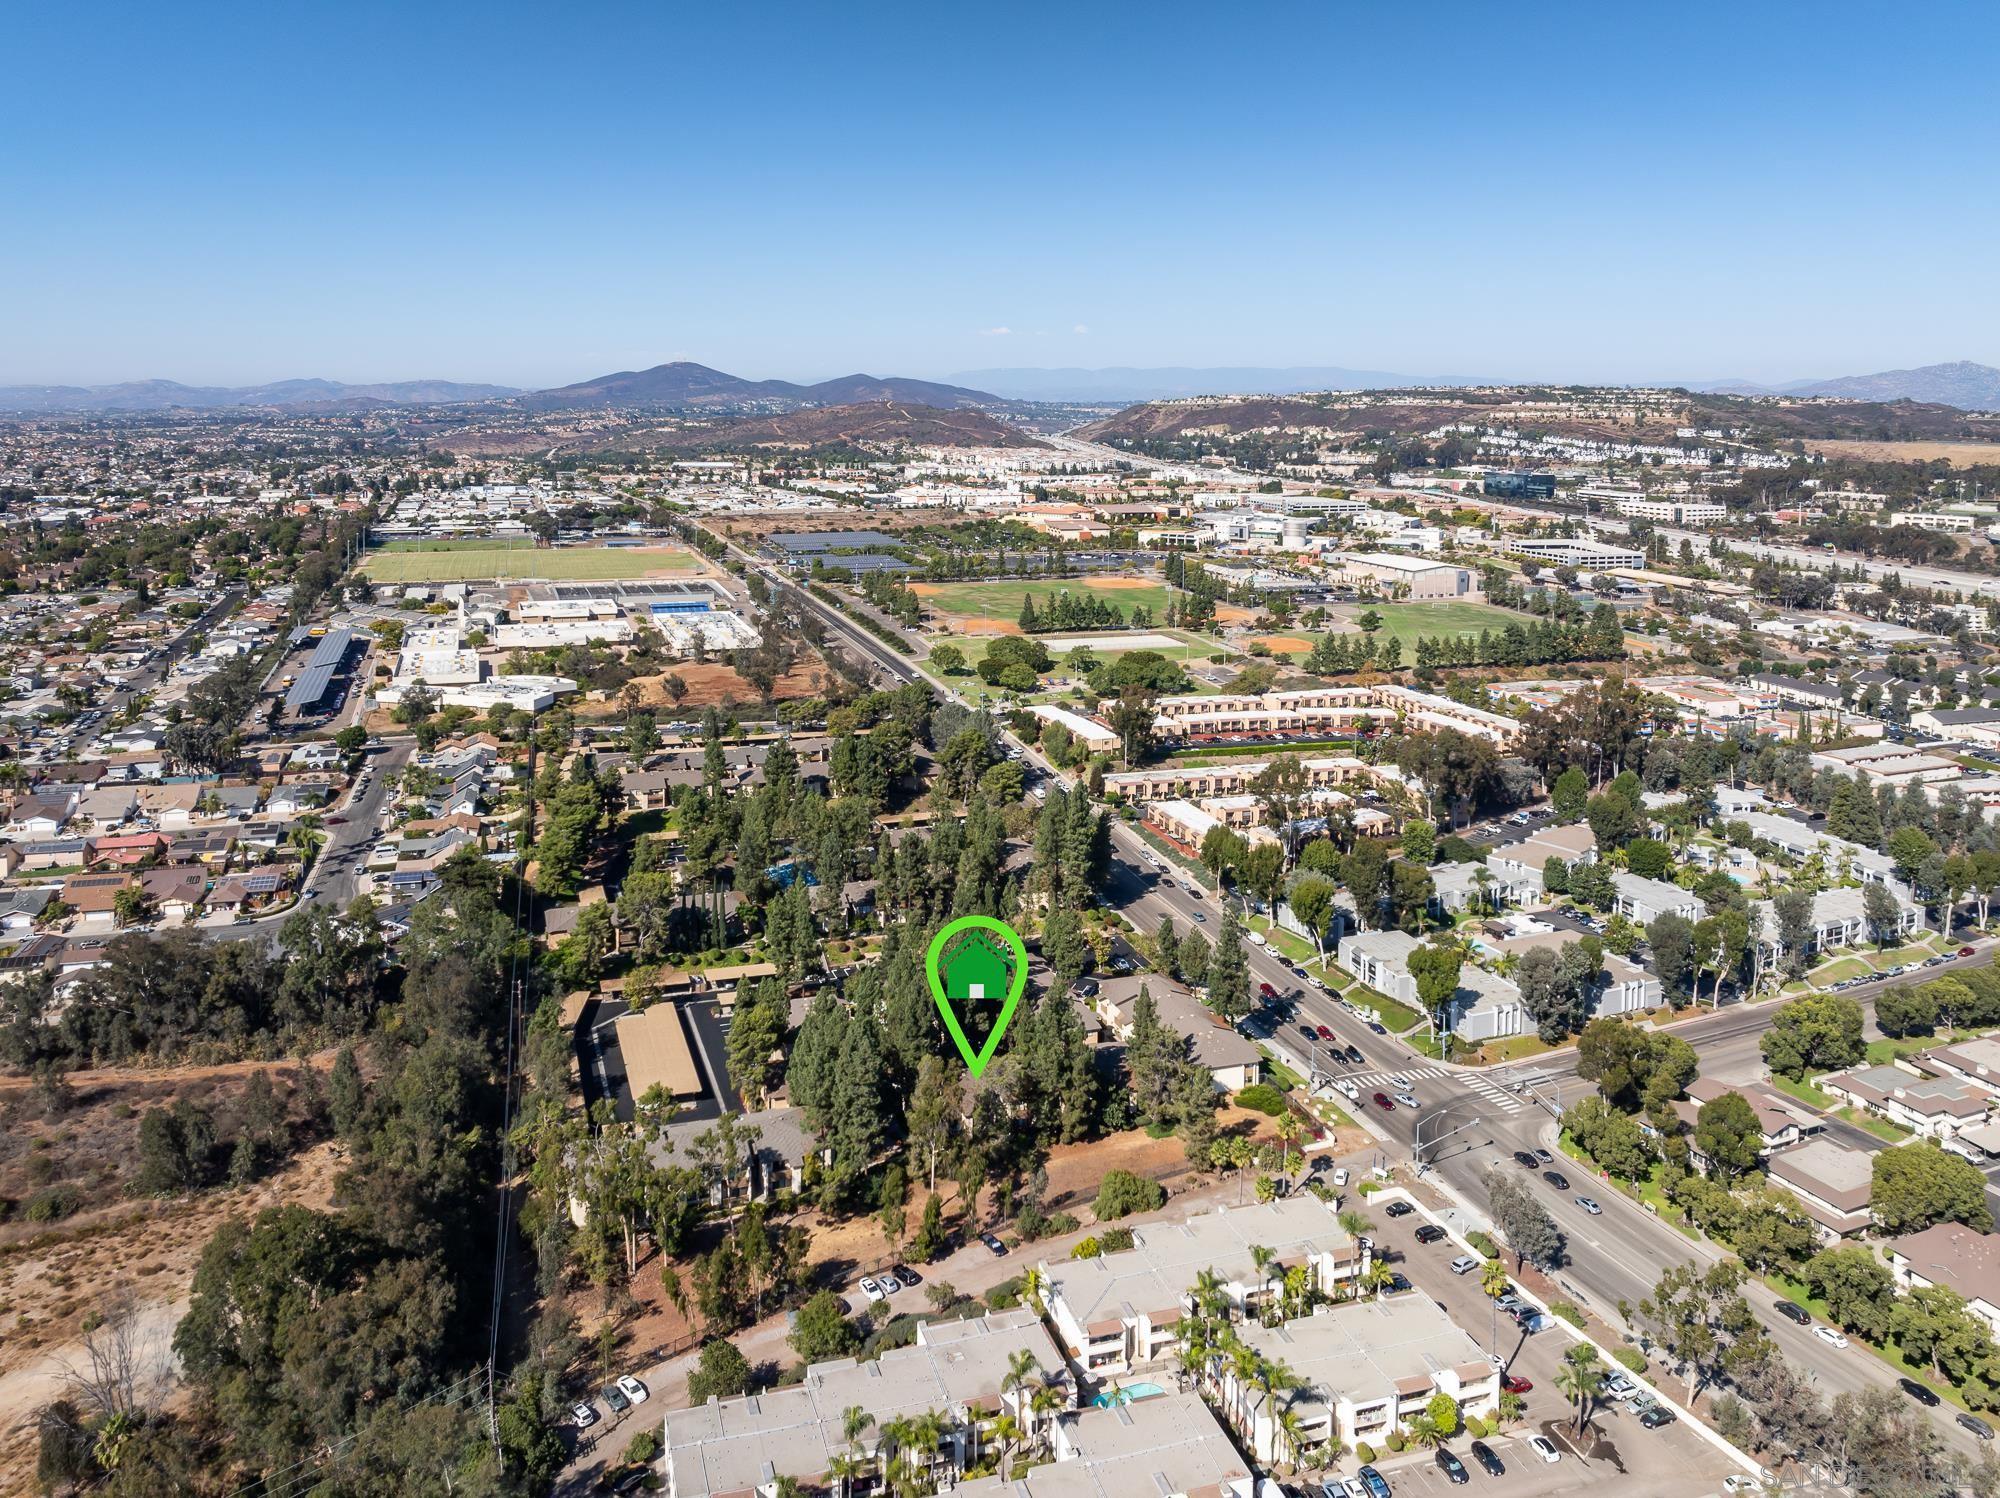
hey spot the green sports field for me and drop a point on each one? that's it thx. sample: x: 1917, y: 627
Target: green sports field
x: 1409, y: 622
x: 464, y: 564
x: 1003, y: 600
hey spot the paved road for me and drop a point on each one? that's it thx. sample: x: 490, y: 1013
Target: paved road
x: 1471, y: 1119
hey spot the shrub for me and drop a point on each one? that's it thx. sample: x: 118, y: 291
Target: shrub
x: 1005, y: 1295
x: 723, y: 1371
x: 900, y: 1331
x: 1115, y: 1240
x: 1477, y: 1428
x: 1483, y: 1244
x: 1059, y: 1223
x: 1634, y: 1361
x: 1394, y: 1440
x: 1262, y: 1097
x: 1369, y: 1188
x: 1364, y: 1453
x: 1568, y: 1312
x: 1089, y: 1248
x: 54, y: 1204
x: 1124, y: 1193
x: 644, y: 1446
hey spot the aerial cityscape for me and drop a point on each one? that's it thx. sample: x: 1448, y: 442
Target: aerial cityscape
x: 1339, y: 837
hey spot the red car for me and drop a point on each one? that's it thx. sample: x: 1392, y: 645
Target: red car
x: 1381, y: 1101
x: 1965, y: 951
x: 1324, y: 1033
x: 1267, y: 991
x: 1512, y: 1385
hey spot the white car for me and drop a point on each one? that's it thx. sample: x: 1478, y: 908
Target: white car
x: 1620, y: 1387
x: 583, y: 1415
x: 1340, y: 1177
x: 1831, y: 1335
x: 872, y: 1290
x: 1349, y: 1090
x: 1408, y: 1100
x: 1544, y: 1448
x: 632, y: 1388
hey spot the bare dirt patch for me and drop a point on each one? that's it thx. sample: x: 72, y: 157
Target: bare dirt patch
x: 976, y: 626
x: 1118, y: 584
x: 711, y: 685
x: 1958, y: 454
x: 1282, y: 644
x: 1229, y: 613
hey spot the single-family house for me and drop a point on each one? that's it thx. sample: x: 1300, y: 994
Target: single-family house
x: 1213, y: 1043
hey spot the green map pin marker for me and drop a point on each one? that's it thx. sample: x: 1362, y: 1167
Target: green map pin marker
x: 967, y: 964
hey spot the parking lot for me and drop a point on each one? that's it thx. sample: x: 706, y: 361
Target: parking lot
x: 1673, y: 1459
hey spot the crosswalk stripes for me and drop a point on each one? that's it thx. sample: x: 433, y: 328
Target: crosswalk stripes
x: 1489, y: 1090
x: 1494, y: 1093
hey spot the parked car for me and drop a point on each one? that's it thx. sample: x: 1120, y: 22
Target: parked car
x: 583, y: 1414
x: 871, y: 1287
x: 1464, y: 1264
x: 1430, y: 1232
x: 1791, y: 1312
x: 1656, y: 1416
x: 1556, y: 1179
x: 1544, y: 1448
x: 1965, y: 951
x: 1618, y: 1386
x: 909, y: 1278
x: 1740, y: 1482
x: 1378, y: 1027
x: 1483, y: 1454
x: 1452, y: 1467
x: 1377, y: 1486
x: 1340, y: 1176
x: 1544, y: 1156
x: 1509, y: 1384
x: 1398, y: 1209
x: 615, y: 1398
x: 993, y: 1245
x: 1590, y: 1205
x: 1333, y: 1487
x: 632, y: 1388
x: 1918, y: 1392
x: 1525, y: 1160
x: 1265, y: 990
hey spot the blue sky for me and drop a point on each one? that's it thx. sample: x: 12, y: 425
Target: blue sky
x: 539, y: 193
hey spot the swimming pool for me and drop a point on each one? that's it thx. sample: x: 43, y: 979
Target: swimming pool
x: 1125, y: 1394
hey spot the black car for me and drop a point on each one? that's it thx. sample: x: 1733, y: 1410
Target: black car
x: 1556, y: 1179
x: 1398, y: 1283
x: 1483, y: 1454
x: 1452, y: 1467
x: 1791, y: 1312
x: 1354, y: 1056
x: 910, y: 1278
x: 1917, y: 1392
x: 1655, y: 1416
x: 1309, y: 1033
x: 1525, y: 1160
x: 1977, y: 1426
x: 993, y: 1245
x: 1398, y: 1209
x: 1430, y: 1232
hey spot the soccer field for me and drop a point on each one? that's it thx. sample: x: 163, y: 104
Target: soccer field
x: 1002, y: 600
x: 1409, y: 622
x: 557, y: 564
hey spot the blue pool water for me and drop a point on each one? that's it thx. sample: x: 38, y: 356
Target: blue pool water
x: 1126, y: 1395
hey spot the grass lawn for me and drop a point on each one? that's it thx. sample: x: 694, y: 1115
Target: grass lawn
x: 1839, y: 970
x: 1409, y: 622
x: 1398, y: 1017
x: 1805, y: 1092
x: 574, y: 563
x: 463, y: 543
x: 1060, y: 679
x: 1284, y: 943
x: 1513, y: 1048
x: 1883, y: 961
x: 1883, y: 1052
x: 1881, y: 1128
x: 1003, y: 600
x: 1279, y: 1074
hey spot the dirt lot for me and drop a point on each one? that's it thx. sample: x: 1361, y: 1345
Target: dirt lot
x: 711, y: 685
x: 55, y: 1274
x: 1958, y: 454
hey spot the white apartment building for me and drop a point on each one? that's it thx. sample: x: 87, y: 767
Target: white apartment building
x: 1674, y: 511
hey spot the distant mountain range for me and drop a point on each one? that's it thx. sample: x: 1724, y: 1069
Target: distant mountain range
x: 1124, y: 385
x: 169, y: 395
x: 687, y: 384
x: 1968, y: 386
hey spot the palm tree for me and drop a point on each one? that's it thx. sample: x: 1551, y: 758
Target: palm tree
x: 1483, y: 882
x: 1263, y: 1258
x: 1293, y: 1430
x: 1034, y: 1290
x: 1208, y: 1293
x: 1043, y: 1404
x: 1578, y: 1378
x: 1007, y: 1432
x: 307, y: 837
x: 1493, y: 1279
x: 1354, y: 1224
x: 1289, y: 1131
x: 1424, y: 1431
x: 1377, y: 1276
x: 845, y: 1469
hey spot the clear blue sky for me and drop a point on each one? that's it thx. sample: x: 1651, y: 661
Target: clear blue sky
x: 538, y: 193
